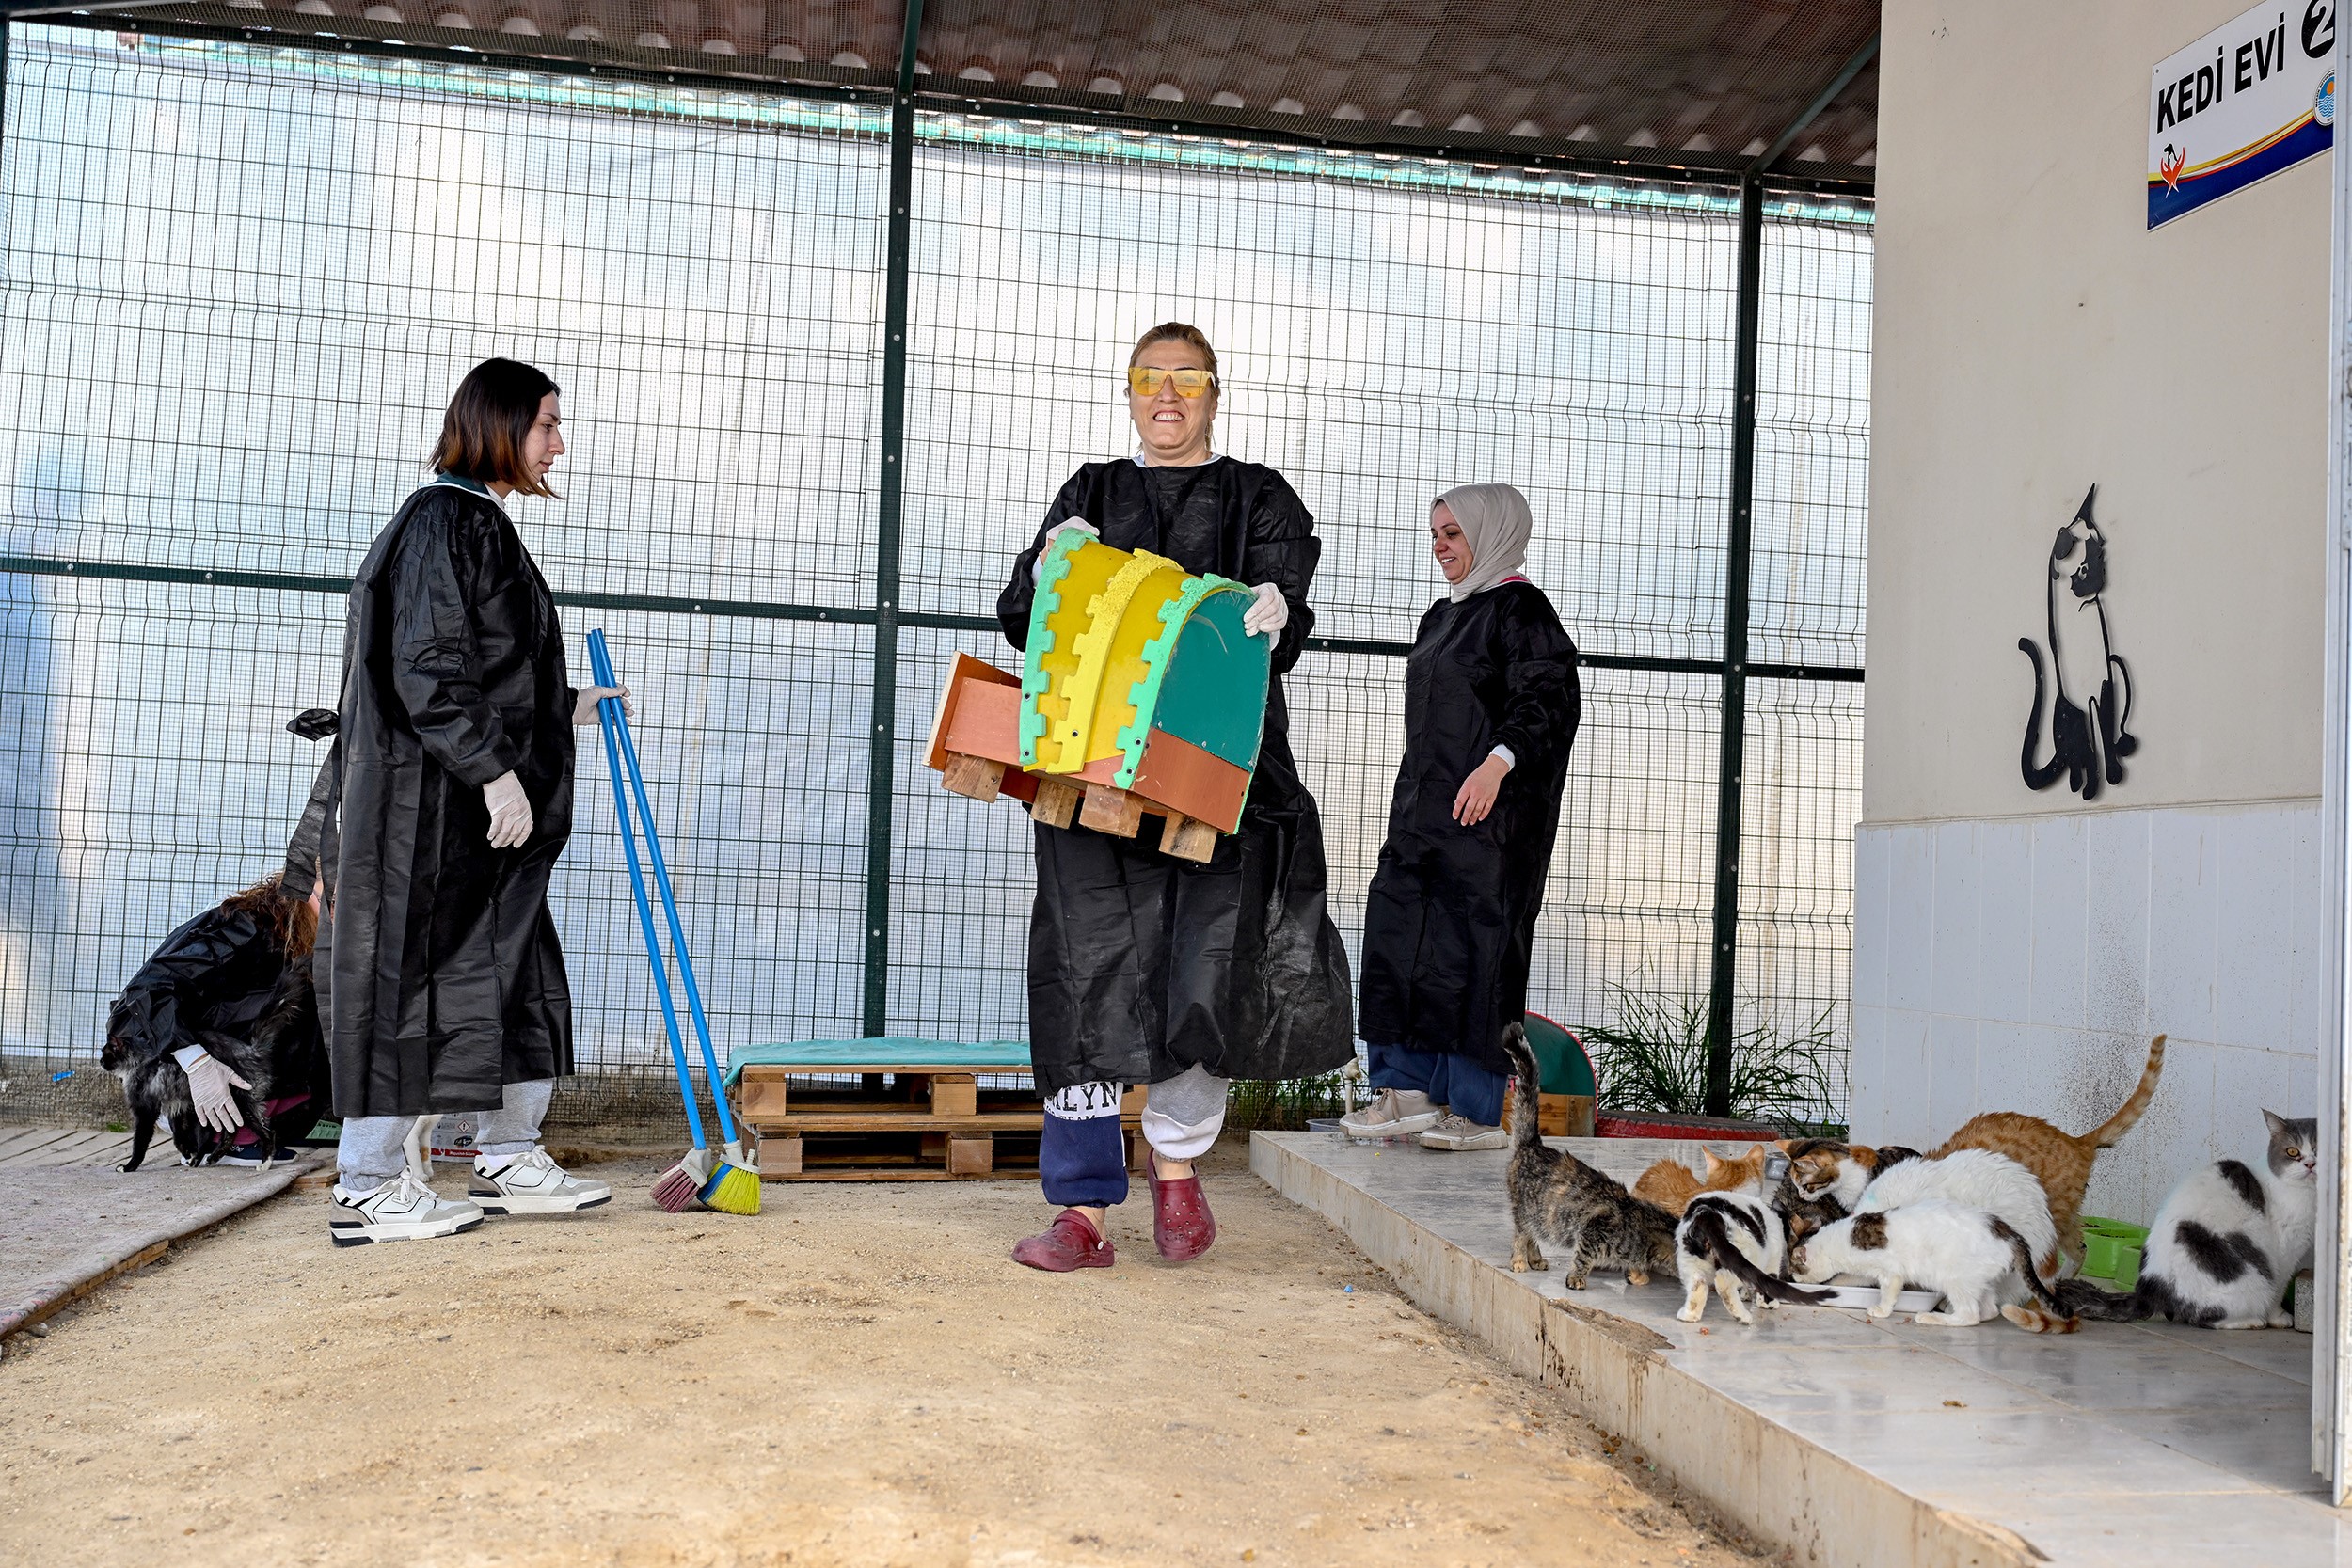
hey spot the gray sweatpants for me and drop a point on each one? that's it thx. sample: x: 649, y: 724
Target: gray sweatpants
x: 373, y: 1150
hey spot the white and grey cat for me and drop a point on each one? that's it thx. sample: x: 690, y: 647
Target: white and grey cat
x: 1734, y: 1242
x: 1973, y: 1179
x: 2226, y: 1241
x: 1978, y: 1262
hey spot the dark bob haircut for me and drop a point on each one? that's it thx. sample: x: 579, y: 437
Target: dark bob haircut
x: 488, y: 421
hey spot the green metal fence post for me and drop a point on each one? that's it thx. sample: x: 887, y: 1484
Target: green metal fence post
x: 1735, y: 676
x: 880, y: 774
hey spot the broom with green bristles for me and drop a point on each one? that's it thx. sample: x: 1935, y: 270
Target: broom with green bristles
x: 732, y: 1185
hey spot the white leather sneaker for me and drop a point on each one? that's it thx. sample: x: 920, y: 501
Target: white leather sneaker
x: 1392, y: 1114
x: 1459, y: 1134
x: 402, y: 1209
x: 532, y: 1183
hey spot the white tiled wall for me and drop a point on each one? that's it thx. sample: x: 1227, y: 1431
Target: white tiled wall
x: 2023, y: 965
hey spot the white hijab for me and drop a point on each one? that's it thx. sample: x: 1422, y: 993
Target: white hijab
x: 1496, y: 523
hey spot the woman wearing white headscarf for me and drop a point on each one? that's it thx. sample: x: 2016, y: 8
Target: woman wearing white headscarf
x: 1491, y: 704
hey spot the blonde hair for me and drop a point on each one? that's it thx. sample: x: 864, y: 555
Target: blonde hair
x: 1176, y: 332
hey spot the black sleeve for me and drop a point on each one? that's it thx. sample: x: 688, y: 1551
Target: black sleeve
x: 1283, y: 549
x: 1020, y: 594
x: 1542, y: 699
x: 437, y: 659
x: 302, y: 851
x: 150, y: 1019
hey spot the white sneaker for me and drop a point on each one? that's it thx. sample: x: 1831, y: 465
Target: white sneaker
x: 1392, y: 1114
x: 1461, y: 1134
x: 402, y: 1209
x: 531, y: 1184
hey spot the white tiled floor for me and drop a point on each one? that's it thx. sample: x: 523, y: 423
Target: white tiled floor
x: 2123, y: 1444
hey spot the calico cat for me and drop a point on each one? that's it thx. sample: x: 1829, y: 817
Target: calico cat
x: 1977, y: 1261
x: 158, y: 1086
x: 1825, y: 1180
x: 2061, y: 1160
x: 1672, y: 1185
x: 1557, y: 1197
x: 1974, y: 1178
x: 1732, y: 1240
x: 2226, y: 1241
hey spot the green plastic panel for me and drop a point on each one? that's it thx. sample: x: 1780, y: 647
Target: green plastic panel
x: 1004, y: 1055
x: 1213, y: 688
x: 1560, y: 1059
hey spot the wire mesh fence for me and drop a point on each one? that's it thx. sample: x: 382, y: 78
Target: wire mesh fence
x: 240, y: 281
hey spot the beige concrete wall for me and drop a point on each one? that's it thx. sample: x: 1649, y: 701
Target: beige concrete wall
x: 2033, y: 336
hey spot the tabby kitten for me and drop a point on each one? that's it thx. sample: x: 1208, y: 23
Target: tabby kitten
x: 1672, y: 1185
x: 2226, y: 1241
x: 1557, y: 1197
x: 2061, y: 1160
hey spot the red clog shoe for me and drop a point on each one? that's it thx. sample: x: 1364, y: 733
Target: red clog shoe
x: 1070, y: 1243
x: 1181, y: 1227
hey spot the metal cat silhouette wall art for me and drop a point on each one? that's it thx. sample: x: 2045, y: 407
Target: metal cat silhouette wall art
x: 2085, y: 721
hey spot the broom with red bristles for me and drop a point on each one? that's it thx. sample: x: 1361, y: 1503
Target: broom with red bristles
x: 729, y: 1185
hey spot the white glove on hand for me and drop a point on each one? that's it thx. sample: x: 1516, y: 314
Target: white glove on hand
x: 209, y: 1082
x: 584, y: 711
x: 1270, y: 614
x: 510, y: 811
x: 1037, y: 567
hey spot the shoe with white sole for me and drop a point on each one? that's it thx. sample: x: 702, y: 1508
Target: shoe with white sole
x: 402, y: 1209
x: 1392, y: 1114
x: 532, y: 1183
x: 1460, y: 1134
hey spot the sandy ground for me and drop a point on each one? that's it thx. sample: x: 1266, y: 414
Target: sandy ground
x: 856, y: 1377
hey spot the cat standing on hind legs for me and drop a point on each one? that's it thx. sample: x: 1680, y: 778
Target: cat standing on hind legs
x: 1557, y: 1198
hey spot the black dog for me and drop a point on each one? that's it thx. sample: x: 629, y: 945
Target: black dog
x: 158, y: 1087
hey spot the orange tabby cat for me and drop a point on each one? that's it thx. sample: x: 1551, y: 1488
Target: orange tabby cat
x: 2061, y: 1160
x: 1672, y: 1185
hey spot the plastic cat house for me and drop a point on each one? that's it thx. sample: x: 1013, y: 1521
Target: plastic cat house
x: 1140, y: 696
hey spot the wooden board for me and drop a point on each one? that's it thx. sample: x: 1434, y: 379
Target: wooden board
x: 1558, y: 1116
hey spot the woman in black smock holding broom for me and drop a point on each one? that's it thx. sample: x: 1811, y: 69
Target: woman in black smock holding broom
x: 1145, y: 969
x: 1491, y: 704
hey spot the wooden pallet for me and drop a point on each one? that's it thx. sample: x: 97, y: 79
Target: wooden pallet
x: 939, y: 1126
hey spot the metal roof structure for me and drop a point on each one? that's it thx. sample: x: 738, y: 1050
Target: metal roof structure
x: 1708, y: 89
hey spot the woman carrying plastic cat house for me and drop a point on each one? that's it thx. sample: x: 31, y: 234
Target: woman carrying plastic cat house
x: 1144, y: 968
x: 1491, y: 706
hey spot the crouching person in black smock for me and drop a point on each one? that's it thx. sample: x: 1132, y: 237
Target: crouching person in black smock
x: 444, y: 987
x: 1145, y: 969
x: 1491, y: 704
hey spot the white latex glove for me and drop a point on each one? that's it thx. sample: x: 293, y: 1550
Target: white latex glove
x: 510, y: 811
x: 1270, y: 614
x: 1037, y: 567
x: 584, y: 711
x: 209, y: 1082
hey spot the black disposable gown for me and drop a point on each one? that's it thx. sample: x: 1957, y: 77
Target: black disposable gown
x: 1450, y: 922
x: 1142, y: 965
x: 216, y: 973
x: 444, y: 981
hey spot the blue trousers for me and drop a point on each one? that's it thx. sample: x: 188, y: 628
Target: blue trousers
x: 1463, y: 1087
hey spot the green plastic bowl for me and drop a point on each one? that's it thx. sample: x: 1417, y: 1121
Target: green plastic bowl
x: 2111, y: 1250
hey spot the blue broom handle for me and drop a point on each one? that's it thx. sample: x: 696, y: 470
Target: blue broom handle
x: 600, y: 666
x: 607, y: 711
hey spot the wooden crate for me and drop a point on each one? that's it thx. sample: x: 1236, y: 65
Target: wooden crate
x: 939, y: 1125
x: 1558, y: 1116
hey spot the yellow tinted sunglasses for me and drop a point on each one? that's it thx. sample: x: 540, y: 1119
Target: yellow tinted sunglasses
x: 1145, y: 381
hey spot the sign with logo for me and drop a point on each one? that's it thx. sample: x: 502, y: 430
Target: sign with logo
x: 2241, y: 103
